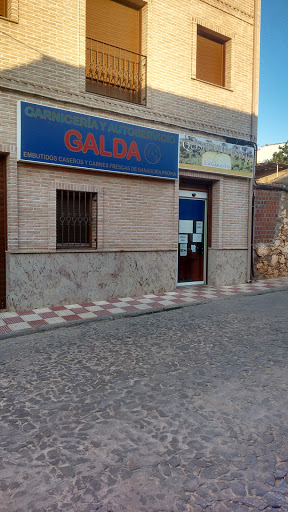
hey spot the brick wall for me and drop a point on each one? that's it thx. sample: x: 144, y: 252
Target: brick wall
x: 142, y: 204
x: 28, y: 197
x: 172, y: 69
x: 134, y: 213
x: 44, y: 53
x: 270, y: 233
x: 229, y: 209
x: 266, y: 215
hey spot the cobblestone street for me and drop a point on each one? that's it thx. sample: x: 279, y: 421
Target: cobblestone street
x: 181, y: 410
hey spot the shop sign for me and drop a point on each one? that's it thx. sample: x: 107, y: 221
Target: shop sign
x: 49, y: 135
x: 215, y: 156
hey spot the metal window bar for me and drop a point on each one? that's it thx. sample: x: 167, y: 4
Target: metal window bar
x: 115, y: 72
x: 76, y: 219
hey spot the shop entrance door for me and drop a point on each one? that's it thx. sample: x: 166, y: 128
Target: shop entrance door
x: 2, y: 233
x: 192, y: 237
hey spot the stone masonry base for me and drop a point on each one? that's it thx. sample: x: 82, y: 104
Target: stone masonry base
x: 41, y: 279
x: 227, y: 266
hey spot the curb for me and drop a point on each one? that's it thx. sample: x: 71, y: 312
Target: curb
x: 132, y: 314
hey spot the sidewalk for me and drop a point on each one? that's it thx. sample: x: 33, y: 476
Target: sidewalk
x: 19, y: 322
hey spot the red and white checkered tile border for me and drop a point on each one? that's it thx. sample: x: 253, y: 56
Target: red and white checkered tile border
x: 11, y: 322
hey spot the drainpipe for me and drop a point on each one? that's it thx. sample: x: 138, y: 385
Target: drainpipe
x: 255, y: 64
x: 254, y: 108
x: 249, y: 234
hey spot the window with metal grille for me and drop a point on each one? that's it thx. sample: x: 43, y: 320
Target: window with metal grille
x: 76, y: 219
x: 115, y: 66
x: 211, y: 49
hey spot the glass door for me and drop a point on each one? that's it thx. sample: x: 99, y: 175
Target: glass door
x: 192, y: 237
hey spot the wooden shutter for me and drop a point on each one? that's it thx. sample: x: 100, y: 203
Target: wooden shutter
x: 210, y: 60
x: 113, y: 23
x: 3, y: 10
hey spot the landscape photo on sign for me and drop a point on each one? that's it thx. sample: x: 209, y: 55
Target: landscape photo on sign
x: 213, y: 153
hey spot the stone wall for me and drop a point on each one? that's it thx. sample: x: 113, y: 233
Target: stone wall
x: 226, y: 267
x: 271, y: 233
x: 45, y: 279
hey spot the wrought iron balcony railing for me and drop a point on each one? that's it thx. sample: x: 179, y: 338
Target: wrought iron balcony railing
x: 115, y: 72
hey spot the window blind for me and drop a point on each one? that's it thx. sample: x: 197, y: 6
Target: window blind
x: 3, y: 8
x: 210, y: 60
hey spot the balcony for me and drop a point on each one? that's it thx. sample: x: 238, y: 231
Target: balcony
x: 115, y: 72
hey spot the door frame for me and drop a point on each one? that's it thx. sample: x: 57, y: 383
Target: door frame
x: 4, y: 227
x: 194, y: 195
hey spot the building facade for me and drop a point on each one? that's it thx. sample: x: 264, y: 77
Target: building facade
x: 126, y: 146
x: 265, y: 153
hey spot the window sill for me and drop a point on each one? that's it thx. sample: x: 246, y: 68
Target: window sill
x: 115, y: 98
x: 211, y: 83
x: 9, y: 19
x: 76, y: 249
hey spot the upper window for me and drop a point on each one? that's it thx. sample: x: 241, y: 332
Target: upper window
x: 115, y: 66
x: 9, y: 9
x: 3, y: 8
x: 211, y: 56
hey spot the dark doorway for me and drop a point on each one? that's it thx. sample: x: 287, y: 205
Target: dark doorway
x: 192, y: 237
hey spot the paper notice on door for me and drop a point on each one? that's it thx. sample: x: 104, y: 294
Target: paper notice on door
x: 185, y: 226
x: 196, y: 237
x: 193, y: 248
x: 183, y: 239
x: 183, y: 249
x: 199, y: 226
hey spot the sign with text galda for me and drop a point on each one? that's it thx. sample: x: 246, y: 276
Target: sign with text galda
x: 54, y: 136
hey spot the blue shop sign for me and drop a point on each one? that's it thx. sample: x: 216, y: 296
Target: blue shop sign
x: 60, y: 137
